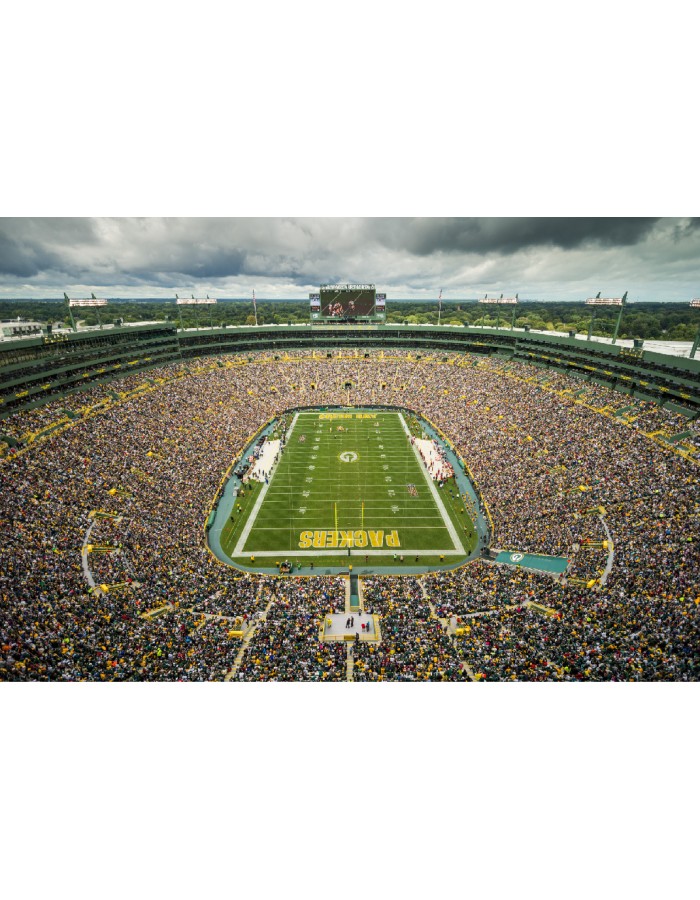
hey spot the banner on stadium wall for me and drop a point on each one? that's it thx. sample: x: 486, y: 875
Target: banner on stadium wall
x: 537, y: 561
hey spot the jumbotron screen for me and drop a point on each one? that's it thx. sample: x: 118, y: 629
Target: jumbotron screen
x: 348, y: 301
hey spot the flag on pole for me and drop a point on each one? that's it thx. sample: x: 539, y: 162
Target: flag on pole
x: 255, y: 307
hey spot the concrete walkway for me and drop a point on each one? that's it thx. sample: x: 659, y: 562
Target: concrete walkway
x: 450, y: 634
x: 433, y: 610
x: 350, y: 611
x: 468, y: 669
x: 452, y: 624
x: 450, y: 630
x: 117, y: 551
x: 248, y: 637
x: 205, y: 615
x: 84, y: 555
x: 158, y: 611
x: 611, y: 554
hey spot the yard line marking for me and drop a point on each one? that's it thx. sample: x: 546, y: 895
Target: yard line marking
x: 238, y: 549
x: 429, y: 510
x: 433, y: 490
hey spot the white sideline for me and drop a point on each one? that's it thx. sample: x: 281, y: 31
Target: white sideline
x: 356, y: 553
x: 452, y: 531
x: 238, y: 549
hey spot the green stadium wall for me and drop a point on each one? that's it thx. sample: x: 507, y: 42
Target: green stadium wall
x: 35, y: 371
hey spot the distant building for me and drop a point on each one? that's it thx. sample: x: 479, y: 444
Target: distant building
x: 18, y: 328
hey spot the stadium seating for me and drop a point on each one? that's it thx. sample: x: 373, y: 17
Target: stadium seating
x: 148, y: 452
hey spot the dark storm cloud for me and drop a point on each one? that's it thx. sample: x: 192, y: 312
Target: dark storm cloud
x: 230, y: 264
x: 210, y: 264
x: 109, y: 249
x: 685, y: 227
x: 543, y: 256
x: 17, y: 260
x: 31, y: 246
x: 424, y: 237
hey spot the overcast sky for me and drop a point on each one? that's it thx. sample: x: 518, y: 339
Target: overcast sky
x: 539, y: 258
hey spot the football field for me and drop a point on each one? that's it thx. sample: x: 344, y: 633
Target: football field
x: 348, y: 485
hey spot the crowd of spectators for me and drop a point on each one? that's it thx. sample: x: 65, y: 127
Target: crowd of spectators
x: 414, y: 645
x: 287, y: 645
x: 553, y: 471
x: 481, y: 587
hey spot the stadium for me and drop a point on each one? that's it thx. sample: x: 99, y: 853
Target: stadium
x: 346, y: 500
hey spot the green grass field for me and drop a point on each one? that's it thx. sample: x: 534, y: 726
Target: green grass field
x: 349, y: 486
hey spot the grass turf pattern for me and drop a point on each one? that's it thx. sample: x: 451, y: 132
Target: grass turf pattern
x: 348, y: 481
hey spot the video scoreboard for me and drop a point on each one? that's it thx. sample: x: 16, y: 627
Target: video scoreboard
x: 348, y: 303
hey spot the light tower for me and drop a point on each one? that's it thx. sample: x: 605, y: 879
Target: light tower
x: 92, y: 301
x: 498, y: 303
x: 695, y: 304
x: 70, y: 312
x: 597, y: 301
x: 196, y: 303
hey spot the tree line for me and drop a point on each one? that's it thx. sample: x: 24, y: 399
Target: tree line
x: 648, y: 321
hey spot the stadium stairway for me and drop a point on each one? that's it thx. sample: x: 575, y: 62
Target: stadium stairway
x: 451, y: 633
x: 355, y: 598
x: 247, y: 638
